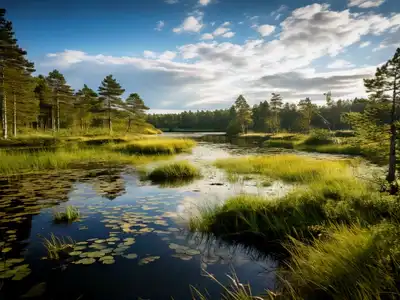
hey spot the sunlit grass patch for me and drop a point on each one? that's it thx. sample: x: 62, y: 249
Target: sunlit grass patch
x: 70, y: 215
x: 157, y: 146
x: 55, y: 246
x: 182, y: 170
x: 351, y: 263
x: 290, y: 168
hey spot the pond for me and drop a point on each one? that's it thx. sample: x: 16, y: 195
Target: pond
x: 131, y: 241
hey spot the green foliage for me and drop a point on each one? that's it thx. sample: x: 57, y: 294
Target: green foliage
x: 70, y: 215
x: 243, y: 113
x: 319, y: 137
x: 174, y: 171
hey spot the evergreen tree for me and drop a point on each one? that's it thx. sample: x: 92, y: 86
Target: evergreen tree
x: 136, y: 108
x: 384, y: 88
x: 63, y: 96
x: 43, y: 95
x: 243, y: 113
x: 86, y: 102
x: 261, y: 113
x: 307, y: 110
x: 11, y: 57
x: 111, y: 91
x: 275, y: 106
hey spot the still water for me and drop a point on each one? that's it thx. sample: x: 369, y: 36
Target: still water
x: 132, y: 240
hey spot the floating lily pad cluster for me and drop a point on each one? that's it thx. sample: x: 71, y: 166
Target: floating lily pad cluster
x: 12, y: 268
x: 183, y: 252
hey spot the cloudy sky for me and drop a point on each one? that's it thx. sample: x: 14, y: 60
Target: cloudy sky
x: 202, y: 54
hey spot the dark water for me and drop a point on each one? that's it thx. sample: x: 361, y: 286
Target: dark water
x: 132, y: 239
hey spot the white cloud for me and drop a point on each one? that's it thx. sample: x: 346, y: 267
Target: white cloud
x: 226, y: 24
x: 171, y: 1
x: 365, y: 3
x: 149, y: 54
x: 190, y: 24
x: 204, y: 2
x: 265, y: 30
x: 340, y: 64
x: 167, y: 55
x: 228, y: 34
x: 212, y: 74
x: 220, y: 31
x: 277, y: 17
x: 160, y: 25
x: 365, y: 44
x: 207, y: 36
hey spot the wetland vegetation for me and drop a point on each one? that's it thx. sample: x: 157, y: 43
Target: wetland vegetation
x: 314, y: 226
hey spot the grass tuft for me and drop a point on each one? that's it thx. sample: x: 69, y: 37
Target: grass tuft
x: 70, y: 215
x: 174, y: 171
x: 157, y: 146
x: 56, y: 246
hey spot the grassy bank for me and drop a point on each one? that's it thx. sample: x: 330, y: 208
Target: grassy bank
x: 156, y: 146
x: 88, y: 153
x: 333, y: 232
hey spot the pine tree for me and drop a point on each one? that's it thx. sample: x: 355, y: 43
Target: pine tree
x: 62, y: 96
x: 307, y: 110
x: 243, y: 113
x: 11, y: 57
x: 275, y: 106
x: 111, y: 91
x: 385, y: 88
x: 86, y: 103
x: 43, y: 95
x: 136, y: 108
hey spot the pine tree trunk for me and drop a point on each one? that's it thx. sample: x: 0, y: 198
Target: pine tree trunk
x: 53, y: 120
x: 391, y: 177
x: 4, y: 106
x: 109, y: 117
x: 58, y: 114
x: 129, y: 124
x: 14, y: 115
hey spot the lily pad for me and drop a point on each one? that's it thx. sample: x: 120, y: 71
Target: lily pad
x: 82, y: 243
x: 108, y: 261
x: 21, y: 274
x: 182, y: 256
x: 75, y: 253
x: 36, y: 291
x: 106, y: 258
x: 147, y: 260
x: 130, y: 256
x: 96, y: 254
x: 7, y: 249
x: 86, y: 261
x: 112, y: 239
x: 78, y: 248
x: 99, y: 241
x: 192, y: 252
x: 15, y: 260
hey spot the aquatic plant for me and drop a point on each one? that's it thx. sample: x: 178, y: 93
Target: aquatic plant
x: 156, y: 146
x: 70, y: 215
x: 181, y: 170
x: 55, y: 246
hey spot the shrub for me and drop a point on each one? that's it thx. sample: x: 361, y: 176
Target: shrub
x: 319, y: 137
x: 70, y: 215
x: 174, y: 171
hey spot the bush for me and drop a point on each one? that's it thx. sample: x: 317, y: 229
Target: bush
x: 319, y: 137
x: 174, y: 171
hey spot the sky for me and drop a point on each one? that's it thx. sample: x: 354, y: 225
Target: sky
x: 202, y: 54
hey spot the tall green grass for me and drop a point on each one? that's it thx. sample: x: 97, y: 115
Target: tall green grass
x: 156, y: 146
x: 182, y: 170
x: 70, y: 215
x: 290, y: 168
x: 351, y: 263
x: 17, y: 162
x: 56, y: 246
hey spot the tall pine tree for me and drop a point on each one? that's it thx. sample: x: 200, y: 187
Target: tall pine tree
x: 86, y: 103
x: 111, y: 92
x: 11, y: 57
x: 136, y: 108
x: 275, y: 106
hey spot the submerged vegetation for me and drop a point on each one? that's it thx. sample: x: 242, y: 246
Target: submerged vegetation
x: 176, y: 171
x: 70, y: 215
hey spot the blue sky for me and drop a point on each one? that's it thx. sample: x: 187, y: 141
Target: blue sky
x: 201, y: 54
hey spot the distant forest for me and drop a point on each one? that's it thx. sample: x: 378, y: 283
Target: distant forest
x: 267, y: 116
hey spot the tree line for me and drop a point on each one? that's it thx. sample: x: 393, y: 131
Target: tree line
x: 48, y: 102
x: 268, y: 116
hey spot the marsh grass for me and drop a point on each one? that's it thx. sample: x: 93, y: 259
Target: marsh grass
x: 176, y: 171
x: 70, y: 215
x: 351, y: 263
x: 156, y: 146
x: 17, y: 162
x: 57, y: 246
x: 289, y: 168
